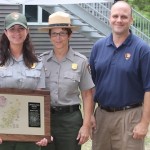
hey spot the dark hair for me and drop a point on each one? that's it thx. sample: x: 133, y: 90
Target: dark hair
x: 69, y: 31
x: 29, y: 56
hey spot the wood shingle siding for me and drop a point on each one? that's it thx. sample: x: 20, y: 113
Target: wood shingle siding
x: 41, y: 40
x: 6, y: 9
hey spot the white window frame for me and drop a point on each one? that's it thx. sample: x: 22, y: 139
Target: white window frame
x: 39, y: 17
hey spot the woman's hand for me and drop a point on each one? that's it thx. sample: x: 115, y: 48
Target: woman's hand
x: 83, y: 134
x: 43, y: 142
x: 1, y: 141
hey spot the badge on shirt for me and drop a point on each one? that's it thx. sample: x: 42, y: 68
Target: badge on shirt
x: 74, y: 66
x: 127, y: 56
x: 33, y: 66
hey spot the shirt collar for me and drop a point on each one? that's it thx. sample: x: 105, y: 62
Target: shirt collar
x: 69, y: 55
x: 126, y: 42
x: 12, y: 60
x: 50, y: 55
x: 20, y: 58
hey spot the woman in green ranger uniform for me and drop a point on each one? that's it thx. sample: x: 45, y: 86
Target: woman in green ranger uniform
x: 19, y: 68
x: 67, y: 74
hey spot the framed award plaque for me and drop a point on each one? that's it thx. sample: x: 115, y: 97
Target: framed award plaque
x: 24, y: 115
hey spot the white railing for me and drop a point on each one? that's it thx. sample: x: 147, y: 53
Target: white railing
x: 140, y: 27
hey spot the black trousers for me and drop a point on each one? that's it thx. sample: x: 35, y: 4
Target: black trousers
x: 19, y: 146
x: 65, y: 128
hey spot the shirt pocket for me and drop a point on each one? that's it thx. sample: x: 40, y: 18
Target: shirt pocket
x: 71, y: 81
x: 33, y: 73
x: 31, y: 78
x: 72, y: 76
x: 5, y: 77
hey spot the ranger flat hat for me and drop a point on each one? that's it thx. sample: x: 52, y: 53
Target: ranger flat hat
x: 15, y: 18
x: 59, y: 20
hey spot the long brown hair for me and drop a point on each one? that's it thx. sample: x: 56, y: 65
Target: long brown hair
x: 29, y: 56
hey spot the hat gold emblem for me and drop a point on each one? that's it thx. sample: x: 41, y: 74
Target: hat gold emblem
x: 74, y: 66
x: 15, y: 16
x: 127, y: 56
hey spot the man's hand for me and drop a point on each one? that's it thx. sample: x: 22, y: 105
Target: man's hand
x: 140, y: 131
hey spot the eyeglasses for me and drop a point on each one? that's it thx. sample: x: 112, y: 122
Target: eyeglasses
x: 61, y: 34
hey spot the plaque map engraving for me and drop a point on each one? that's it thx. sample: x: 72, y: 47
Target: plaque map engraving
x: 10, y: 115
x: 21, y: 114
x: 34, y: 114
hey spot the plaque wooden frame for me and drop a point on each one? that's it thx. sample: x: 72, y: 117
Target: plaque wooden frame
x: 27, y: 137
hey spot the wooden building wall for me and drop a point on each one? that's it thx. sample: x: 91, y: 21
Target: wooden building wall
x: 41, y: 40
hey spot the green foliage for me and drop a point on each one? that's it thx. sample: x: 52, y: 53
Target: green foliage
x: 142, y: 6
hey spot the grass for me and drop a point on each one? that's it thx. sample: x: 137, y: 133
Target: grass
x: 87, y: 145
x: 147, y: 142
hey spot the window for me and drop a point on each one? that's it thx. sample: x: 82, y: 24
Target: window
x: 31, y: 13
x: 45, y: 15
x: 35, y: 14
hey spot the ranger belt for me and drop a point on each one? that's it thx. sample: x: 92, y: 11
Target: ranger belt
x: 64, y: 109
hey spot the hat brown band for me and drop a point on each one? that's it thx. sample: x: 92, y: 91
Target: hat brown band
x: 62, y: 24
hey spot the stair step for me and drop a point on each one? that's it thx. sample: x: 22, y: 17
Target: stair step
x: 77, y: 22
x: 87, y: 29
